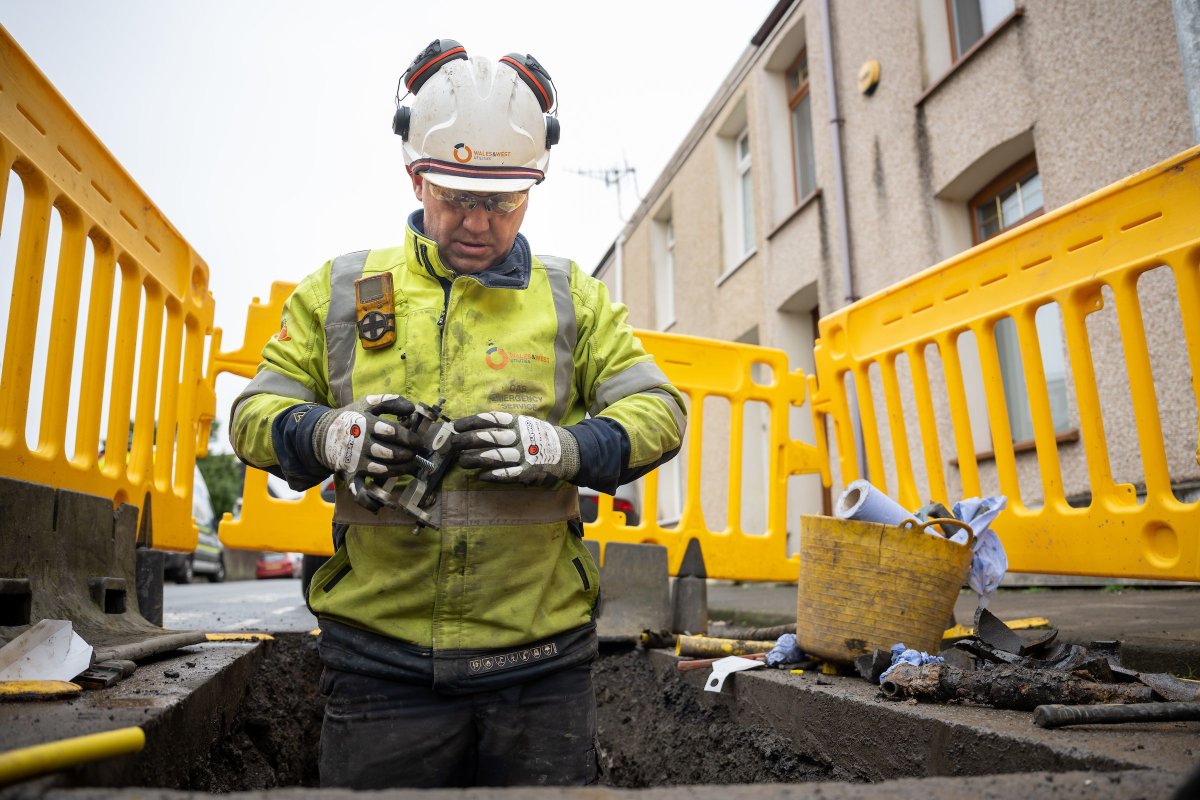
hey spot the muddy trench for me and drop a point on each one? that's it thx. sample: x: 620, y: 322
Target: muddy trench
x: 651, y: 731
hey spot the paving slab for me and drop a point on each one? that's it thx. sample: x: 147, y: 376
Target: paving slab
x: 179, y: 700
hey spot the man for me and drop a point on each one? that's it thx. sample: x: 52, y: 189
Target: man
x: 459, y: 655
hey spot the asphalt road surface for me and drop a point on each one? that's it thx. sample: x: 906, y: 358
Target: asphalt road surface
x: 269, y: 606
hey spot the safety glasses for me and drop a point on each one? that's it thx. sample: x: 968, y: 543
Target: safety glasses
x: 498, y: 203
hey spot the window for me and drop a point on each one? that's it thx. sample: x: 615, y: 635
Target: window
x: 664, y: 274
x: 735, y: 181
x: 800, y: 114
x: 670, y: 489
x: 745, y: 192
x: 1007, y: 202
x: 971, y: 20
x: 1014, y: 197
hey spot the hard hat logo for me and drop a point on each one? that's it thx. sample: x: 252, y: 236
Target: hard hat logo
x: 501, y: 105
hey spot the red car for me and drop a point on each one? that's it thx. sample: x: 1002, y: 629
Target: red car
x: 278, y: 565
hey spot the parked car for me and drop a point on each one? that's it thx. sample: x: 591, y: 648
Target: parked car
x: 278, y: 565
x: 626, y: 501
x: 208, y: 559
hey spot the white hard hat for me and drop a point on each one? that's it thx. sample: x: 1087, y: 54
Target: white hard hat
x: 476, y: 124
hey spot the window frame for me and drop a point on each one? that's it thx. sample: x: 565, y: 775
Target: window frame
x: 743, y: 168
x: 794, y: 100
x: 1014, y: 174
x: 664, y: 284
x: 952, y: 27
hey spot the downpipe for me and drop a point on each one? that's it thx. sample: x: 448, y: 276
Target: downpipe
x: 842, y: 213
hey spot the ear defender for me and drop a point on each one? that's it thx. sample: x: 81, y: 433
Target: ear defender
x: 535, y: 76
x: 401, y: 120
x: 436, y: 54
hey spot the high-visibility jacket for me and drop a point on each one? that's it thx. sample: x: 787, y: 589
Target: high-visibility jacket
x: 534, y: 336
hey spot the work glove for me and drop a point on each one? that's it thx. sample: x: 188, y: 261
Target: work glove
x: 354, y: 440
x: 516, y: 449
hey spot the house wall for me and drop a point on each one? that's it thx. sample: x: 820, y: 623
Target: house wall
x: 1094, y: 89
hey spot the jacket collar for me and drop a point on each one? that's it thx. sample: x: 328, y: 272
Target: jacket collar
x: 423, y: 257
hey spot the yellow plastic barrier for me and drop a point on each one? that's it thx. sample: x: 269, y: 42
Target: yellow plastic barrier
x: 269, y: 523
x: 163, y: 312
x: 1106, y: 240
x: 704, y: 368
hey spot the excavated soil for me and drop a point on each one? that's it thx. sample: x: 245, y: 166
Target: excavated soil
x: 272, y: 740
x: 656, y: 731
x: 651, y: 731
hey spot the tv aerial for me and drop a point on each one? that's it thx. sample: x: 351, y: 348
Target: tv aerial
x: 613, y: 176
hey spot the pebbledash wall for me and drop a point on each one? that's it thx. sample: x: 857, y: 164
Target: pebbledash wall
x: 972, y: 95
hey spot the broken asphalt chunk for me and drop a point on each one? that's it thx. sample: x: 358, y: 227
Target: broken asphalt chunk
x: 872, y: 665
x: 992, y: 630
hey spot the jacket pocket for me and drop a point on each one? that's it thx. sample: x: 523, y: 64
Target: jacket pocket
x: 331, y: 573
x: 587, y: 584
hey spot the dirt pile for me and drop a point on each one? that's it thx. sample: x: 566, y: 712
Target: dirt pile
x: 658, y: 732
x: 651, y: 731
x: 272, y: 741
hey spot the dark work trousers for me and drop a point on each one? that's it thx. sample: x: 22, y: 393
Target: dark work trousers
x: 380, y: 734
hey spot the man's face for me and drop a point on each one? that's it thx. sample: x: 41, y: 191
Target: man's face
x: 468, y: 240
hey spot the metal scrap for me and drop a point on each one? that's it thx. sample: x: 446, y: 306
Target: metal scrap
x: 999, y: 668
x: 760, y: 634
x: 1039, y: 641
x: 1058, y: 716
x: 104, y: 674
x: 657, y: 639
x: 1168, y: 687
x: 708, y: 647
x: 1011, y: 687
x: 1064, y: 657
x: 990, y: 629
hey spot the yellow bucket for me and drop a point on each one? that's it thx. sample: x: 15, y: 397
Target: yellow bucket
x: 866, y: 586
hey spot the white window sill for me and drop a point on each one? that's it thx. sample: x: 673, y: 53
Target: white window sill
x: 987, y: 38
x: 668, y: 326
x: 727, y: 274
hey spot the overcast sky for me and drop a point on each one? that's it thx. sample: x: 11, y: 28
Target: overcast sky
x: 262, y: 128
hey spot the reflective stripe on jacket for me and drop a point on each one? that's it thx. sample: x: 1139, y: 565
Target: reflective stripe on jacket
x: 544, y: 340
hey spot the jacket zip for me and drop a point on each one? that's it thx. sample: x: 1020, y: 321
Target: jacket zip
x: 447, y: 286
